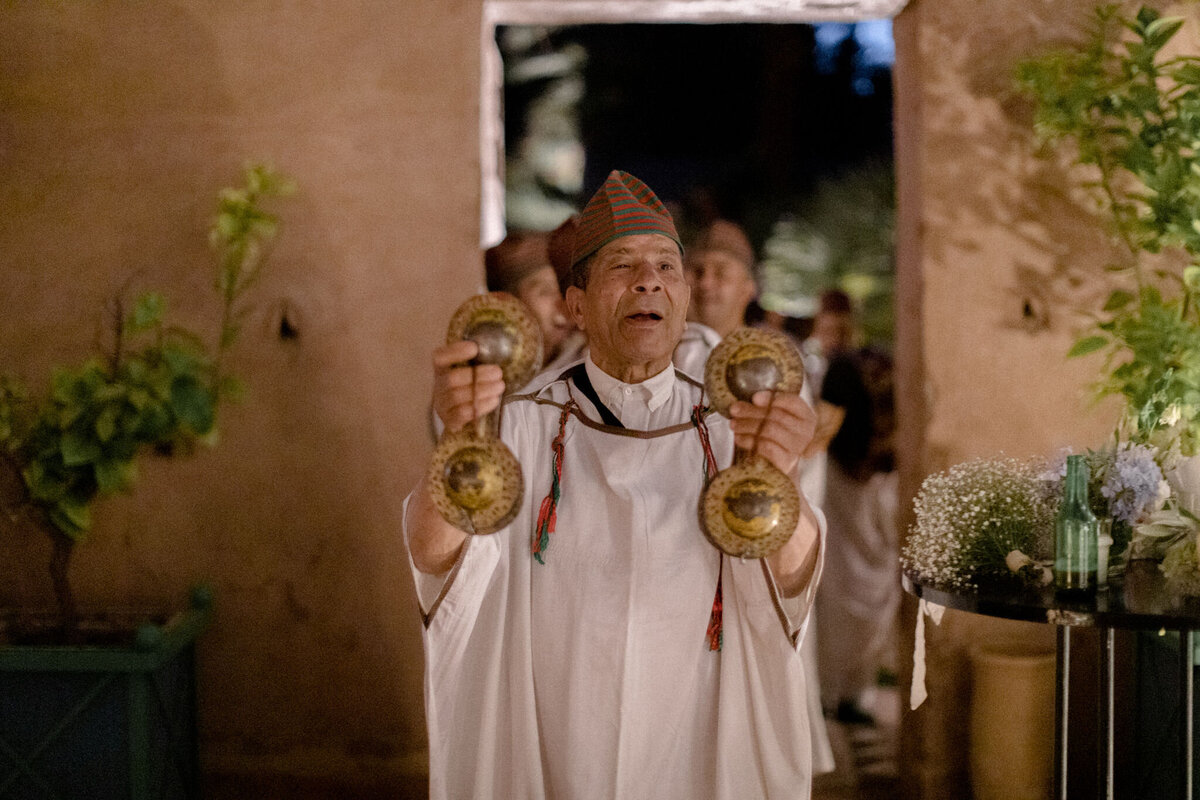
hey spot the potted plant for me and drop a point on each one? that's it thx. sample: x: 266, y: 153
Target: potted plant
x: 108, y: 711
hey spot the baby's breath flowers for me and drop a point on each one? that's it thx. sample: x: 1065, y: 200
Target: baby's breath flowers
x: 976, y: 519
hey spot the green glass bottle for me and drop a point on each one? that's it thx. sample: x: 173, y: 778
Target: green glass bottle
x: 1075, y: 533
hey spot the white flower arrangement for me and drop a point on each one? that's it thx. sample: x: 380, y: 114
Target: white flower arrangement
x: 992, y: 520
x: 1169, y: 536
x: 984, y: 520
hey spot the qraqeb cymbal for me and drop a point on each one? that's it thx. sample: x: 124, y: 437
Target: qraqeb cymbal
x: 475, y: 481
x: 506, y: 331
x: 750, y: 509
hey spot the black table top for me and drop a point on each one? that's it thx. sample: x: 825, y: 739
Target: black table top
x: 1138, y: 599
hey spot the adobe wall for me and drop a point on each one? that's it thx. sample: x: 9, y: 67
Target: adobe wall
x: 120, y: 123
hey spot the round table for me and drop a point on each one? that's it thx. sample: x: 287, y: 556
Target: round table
x: 1138, y: 599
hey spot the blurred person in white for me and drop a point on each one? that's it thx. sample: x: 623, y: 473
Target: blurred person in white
x: 857, y: 604
x: 722, y: 271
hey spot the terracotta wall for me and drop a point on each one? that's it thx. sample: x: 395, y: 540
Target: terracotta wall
x: 118, y: 124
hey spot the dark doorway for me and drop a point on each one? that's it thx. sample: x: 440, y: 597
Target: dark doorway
x: 783, y: 128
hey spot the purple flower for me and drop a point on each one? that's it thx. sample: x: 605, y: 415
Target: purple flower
x: 1132, y: 484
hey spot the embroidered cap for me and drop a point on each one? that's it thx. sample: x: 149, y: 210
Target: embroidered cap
x: 520, y: 254
x: 561, y: 247
x: 623, y: 206
x: 726, y: 236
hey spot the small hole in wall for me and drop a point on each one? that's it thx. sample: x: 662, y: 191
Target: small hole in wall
x: 287, y: 322
x: 1034, y: 315
x: 287, y: 331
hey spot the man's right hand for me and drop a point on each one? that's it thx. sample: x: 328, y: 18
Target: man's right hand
x: 462, y: 393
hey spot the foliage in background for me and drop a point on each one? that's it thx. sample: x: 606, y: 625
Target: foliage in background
x: 839, y: 236
x: 1131, y: 112
x: 156, y: 388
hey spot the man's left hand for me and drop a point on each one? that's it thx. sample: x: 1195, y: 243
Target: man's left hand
x: 776, y: 425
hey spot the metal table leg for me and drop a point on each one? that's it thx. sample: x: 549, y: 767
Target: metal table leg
x: 1063, y: 703
x: 1186, y: 664
x: 1104, y: 711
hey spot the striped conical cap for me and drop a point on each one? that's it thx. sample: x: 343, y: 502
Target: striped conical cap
x: 623, y: 206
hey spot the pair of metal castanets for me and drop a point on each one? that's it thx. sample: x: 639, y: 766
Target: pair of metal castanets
x: 747, y: 510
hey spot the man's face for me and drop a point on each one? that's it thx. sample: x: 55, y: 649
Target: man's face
x: 539, y: 290
x: 834, y: 330
x: 721, y: 289
x: 634, y: 307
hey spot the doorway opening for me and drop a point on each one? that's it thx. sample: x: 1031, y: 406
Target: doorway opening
x: 781, y: 125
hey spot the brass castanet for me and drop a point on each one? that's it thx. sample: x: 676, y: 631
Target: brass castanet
x: 475, y: 480
x: 751, y: 508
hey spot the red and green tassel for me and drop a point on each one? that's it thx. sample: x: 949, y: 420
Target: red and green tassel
x: 548, y: 513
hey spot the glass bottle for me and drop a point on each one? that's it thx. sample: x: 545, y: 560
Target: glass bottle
x: 1075, y: 533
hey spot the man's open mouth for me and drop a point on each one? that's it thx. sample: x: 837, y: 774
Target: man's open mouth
x: 645, y: 316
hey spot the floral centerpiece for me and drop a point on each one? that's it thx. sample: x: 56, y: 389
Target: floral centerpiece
x: 1126, y: 484
x: 981, y: 522
x: 991, y: 521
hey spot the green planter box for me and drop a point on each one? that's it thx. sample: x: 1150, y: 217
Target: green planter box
x: 103, y: 722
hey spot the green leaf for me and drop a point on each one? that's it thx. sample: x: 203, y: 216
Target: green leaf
x: 154, y: 423
x: 106, y: 423
x: 1118, y: 300
x: 1160, y: 31
x: 1146, y: 17
x: 72, y: 518
x: 1087, y: 345
x: 78, y: 447
x: 147, y: 311
x: 42, y: 487
x: 1191, y: 277
x: 193, y: 403
x: 1187, y: 73
x: 115, y: 475
x: 138, y: 398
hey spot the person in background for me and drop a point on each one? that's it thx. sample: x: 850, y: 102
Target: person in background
x: 521, y: 266
x: 857, y: 604
x: 721, y: 269
x: 599, y: 645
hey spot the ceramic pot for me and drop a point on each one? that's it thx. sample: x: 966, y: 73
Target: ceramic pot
x: 1012, y: 723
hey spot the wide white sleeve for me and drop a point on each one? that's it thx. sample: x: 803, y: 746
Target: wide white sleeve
x: 459, y: 590
x: 798, y: 609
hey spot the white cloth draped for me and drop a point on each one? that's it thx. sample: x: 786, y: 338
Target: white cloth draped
x: 590, y: 676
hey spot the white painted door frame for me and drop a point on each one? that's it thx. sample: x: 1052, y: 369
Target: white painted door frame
x: 581, y: 12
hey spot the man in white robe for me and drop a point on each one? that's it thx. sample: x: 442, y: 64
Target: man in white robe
x: 599, y: 646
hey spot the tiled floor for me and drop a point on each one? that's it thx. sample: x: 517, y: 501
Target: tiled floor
x: 864, y: 755
x: 865, y: 758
